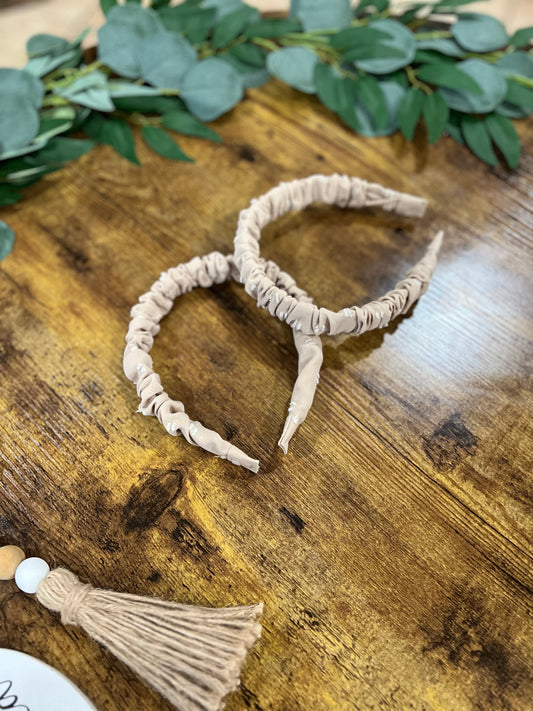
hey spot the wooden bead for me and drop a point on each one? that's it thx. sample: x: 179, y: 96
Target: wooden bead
x: 10, y: 559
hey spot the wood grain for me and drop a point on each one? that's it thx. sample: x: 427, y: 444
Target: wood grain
x: 392, y: 545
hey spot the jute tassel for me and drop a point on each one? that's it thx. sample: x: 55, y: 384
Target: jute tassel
x: 191, y: 655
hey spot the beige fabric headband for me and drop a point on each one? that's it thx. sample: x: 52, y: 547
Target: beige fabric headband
x: 213, y: 268
x: 277, y: 292
x: 343, y: 191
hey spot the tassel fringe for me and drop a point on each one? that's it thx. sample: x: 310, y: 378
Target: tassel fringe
x: 191, y: 655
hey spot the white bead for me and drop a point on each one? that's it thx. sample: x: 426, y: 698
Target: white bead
x: 30, y: 573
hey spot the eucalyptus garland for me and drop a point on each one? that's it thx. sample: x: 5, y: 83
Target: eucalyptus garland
x: 170, y: 69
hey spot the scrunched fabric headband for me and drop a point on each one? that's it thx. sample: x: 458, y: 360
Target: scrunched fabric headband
x: 277, y: 292
x: 343, y: 191
x: 214, y: 268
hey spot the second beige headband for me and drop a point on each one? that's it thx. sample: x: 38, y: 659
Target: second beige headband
x: 277, y: 292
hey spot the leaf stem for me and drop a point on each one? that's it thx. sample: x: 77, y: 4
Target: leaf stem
x: 437, y: 34
x: 50, y: 85
x: 415, y: 81
x: 265, y: 43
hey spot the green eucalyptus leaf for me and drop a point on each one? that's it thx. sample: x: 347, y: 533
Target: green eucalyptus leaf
x: 370, y: 95
x: 337, y: 93
x: 400, y: 78
x: 7, y: 239
x: 393, y: 94
x: 119, y: 89
x: 106, y: 5
x: 400, y: 39
x: 35, y: 145
x: 251, y: 76
x: 29, y: 175
x: 409, y: 112
x: 479, y: 33
x: 183, y: 122
x: 119, y: 39
x: 365, y: 52
x: 411, y: 14
x: 9, y: 195
x: 453, y: 127
x: 504, y: 135
x: 271, y: 28
x: 223, y: 7
x: 39, y: 45
x: 160, y: 142
x: 148, y: 104
x: 211, y: 88
x: 519, y: 95
x: 448, y: 75
x: 320, y: 15
x: 19, y: 123
x: 193, y: 22
x: 96, y: 98
x: 112, y: 132
x: 232, y: 25
x: 95, y: 78
x: 492, y: 84
x: 429, y: 56
x: 512, y: 110
x: 159, y: 3
x: 165, y: 58
x: 48, y: 128
x: 61, y: 150
x: 436, y: 114
x: 477, y: 138
x: 354, y: 37
x: 295, y: 66
x: 516, y: 64
x: 89, y: 90
x: 522, y: 38
x: 19, y: 83
x: 249, y: 54
x: 441, y: 44
x: 40, y: 66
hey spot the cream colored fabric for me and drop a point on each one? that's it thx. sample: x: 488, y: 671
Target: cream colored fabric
x: 213, y: 268
x: 339, y: 190
x: 191, y: 655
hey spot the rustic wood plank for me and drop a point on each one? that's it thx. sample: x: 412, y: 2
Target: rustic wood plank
x: 392, y: 545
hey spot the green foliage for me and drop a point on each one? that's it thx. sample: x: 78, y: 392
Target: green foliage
x: 409, y: 112
x: 160, y: 142
x: 477, y: 138
x: 436, y: 113
x: 401, y: 43
x: 112, y: 132
x: 211, y: 88
x: 45, y: 44
x: 489, y: 81
x: 522, y: 38
x: 479, y: 33
x: 320, y: 15
x: 368, y: 124
x: 232, y: 25
x: 165, y: 58
x: 183, y: 122
x: 122, y: 36
x: 192, y: 22
x: 7, y: 239
x: 272, y: 28
x: 172, y: 68
x: 295, y: 66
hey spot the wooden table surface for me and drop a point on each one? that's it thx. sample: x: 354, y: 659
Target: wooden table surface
x: 392, y: 545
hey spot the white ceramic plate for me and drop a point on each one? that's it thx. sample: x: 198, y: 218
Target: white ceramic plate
x: 27, y: 684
